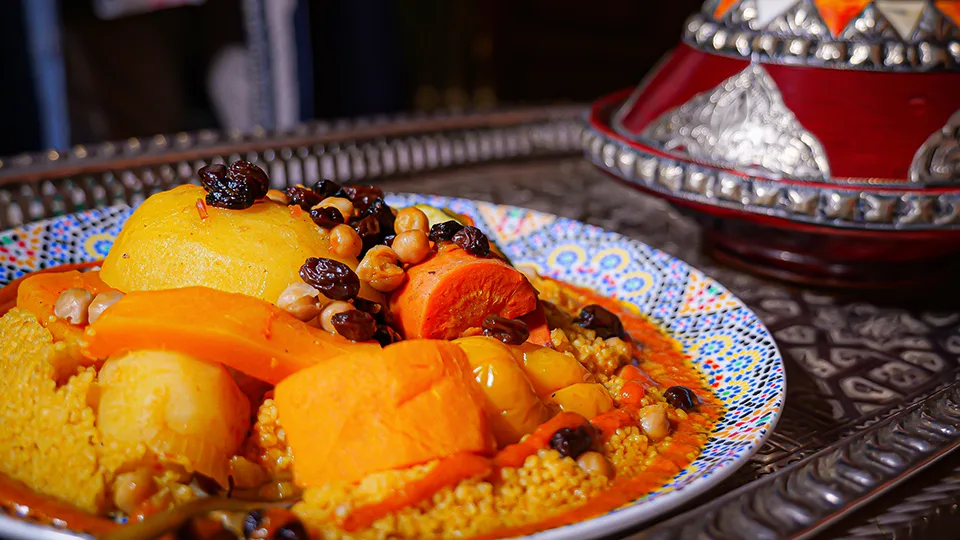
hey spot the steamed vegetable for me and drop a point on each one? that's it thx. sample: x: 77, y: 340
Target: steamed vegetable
x: 549, y: 370
x: 168, y: 243
x: 585, y: 399
x: 183, y: 410
x: 409, y: 403
x: 536, y: 322
x: 512, y: 406
x: 454, y: 291
x: 246, y: 334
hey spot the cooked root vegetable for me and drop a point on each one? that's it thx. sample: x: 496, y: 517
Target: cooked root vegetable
x: 585, y: 399
x: 409, y: 403
x: 258, y: 251
x: 38, y: 294
x: 239, y: 331
x: 182, y: 409
x: 512, y: 407
x: 549, y: 370
x: 536, y: 322
x: 454, y: 291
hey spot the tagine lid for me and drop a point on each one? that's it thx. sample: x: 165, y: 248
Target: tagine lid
x: 837, y: 112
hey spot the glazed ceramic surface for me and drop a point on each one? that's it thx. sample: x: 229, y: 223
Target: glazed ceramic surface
x: 730, y: 346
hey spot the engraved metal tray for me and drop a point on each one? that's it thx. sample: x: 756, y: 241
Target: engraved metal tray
x: 873, y: 381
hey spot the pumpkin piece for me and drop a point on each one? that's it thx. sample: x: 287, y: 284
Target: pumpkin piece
x: 409, y: 403
x: 511, y: 404
x: 536, y: 322
x: 586, y: 399
x: 549, y: 370
x: 258, y: 251
x: 238, y: 331
x: 182, y: 409
x: 453, y: 291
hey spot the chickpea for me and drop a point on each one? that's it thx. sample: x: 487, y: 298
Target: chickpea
x: 411, y: 246
x: 72, y: 305
x: 101, y: 302
x: 653, y: 420
x: 411, y: 219
x: 328, y: 312
x: 594, y: 463
x: 343, y: 205
x: 131, y: 489
x: 379, y: 268
x: 300, y: 300
x: 345, y: 242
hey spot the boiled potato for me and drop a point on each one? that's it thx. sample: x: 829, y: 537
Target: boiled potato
x: 512, y: 406
x: 550, y: 370
x: 183, y: 409
x: 585, y: 399
x: 257, y: 251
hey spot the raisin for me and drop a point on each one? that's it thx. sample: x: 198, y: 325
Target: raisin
x: 571, y: 442
x: 355, y: 325
x: 601, y: 321
x: 388, y: 239
x: 303, y: 197
x: 355, y: 192
x: 443, y: 232
x: 509, y: 331
x: 386, y: 335
x: 235, y: 187
x: 250, y: 174
x: 681, y: 397
x: 367, y: 227
x: 252, y: 522
x: 293, y: 530
x: 332, y: 278
x: 368, y: 306
x: 327, y: 217
x: 379, y: 209
x: 473, y: 241
x: 328, y: 188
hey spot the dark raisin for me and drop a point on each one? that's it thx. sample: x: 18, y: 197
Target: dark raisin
x: 355, y: 325
x: 601, y: 321
x: 681, y: 397
x: 328, y: 188
x: 443, y: 232
x: 509, y: 331
x: 293, y: 530
x: 379, y: 209
x: 367, y: 227
x: 368, y: 306
x: 212, y: 176
x: 332, y: 278
x: 473, y: 241
x: 355, y: 192
x: 303, y: 197
x: 571, y: 442
x: 386, y: 335
x: 327, y: 217
x: 388, y: 239
x: 235, y: 187
x: 250, y: 174
x: 252, y: 523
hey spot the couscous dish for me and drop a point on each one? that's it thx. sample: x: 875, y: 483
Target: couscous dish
x: 379, y: 372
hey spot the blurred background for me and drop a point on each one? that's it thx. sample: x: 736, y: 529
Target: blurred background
x: 82, y: 71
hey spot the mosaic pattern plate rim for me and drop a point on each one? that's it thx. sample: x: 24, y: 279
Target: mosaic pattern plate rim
x: 743, y: 365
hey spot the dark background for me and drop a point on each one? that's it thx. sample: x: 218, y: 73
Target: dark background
x: 144, y: 74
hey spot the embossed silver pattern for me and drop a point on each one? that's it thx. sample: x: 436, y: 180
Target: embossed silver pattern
x: 742, y: 124
x: 937, y: 161
x: 807, y: 496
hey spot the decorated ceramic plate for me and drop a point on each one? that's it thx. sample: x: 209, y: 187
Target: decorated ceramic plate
x: 732, y: 361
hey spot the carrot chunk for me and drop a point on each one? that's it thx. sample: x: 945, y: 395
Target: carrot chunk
x: 238, y: 331
x: 454, y: 291
x: 409, y: 403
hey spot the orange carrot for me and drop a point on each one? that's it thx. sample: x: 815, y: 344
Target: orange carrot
x: 238, y: 331
x: 372, y: 411
x: 537, y: 324
x: 453, y: 291
x: 448, y: 472
x: 515, y: 454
